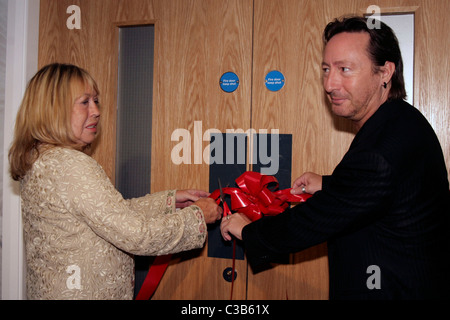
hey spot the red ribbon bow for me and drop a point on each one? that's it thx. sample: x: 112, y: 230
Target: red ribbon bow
x: 257, y: 196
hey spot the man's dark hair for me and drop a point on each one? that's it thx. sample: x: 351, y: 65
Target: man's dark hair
x: 383, y: 46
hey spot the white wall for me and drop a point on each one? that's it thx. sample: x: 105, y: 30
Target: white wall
x: 21, y: 65
x: 3, y: 28
x: 403, y: 26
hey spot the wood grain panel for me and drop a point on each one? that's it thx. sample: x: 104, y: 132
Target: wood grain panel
x: 432, y: 68
x: 196, y: 42
x: 287, y: 38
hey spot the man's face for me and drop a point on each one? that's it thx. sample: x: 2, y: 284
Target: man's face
x: 354, y: 90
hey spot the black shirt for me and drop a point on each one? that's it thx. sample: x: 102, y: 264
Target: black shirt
x: 384, y: 211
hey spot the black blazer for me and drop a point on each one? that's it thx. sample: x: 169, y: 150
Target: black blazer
x: 384, y: 212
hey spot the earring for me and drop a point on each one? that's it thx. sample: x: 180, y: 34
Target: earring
x: 385, y: 85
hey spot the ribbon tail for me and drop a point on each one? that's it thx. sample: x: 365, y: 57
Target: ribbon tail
x: 226, y: 210
x: 153, y: 277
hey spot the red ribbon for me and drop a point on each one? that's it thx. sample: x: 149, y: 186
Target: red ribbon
x: 257, y: 195
x: 153, y: 278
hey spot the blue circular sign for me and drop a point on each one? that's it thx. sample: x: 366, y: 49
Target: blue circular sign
x: 274, y: 80
x: 229, y: 82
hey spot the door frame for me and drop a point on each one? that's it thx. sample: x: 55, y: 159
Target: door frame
x: 21, y: 65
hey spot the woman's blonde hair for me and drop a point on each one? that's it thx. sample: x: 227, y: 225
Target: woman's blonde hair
x: 44, y: 117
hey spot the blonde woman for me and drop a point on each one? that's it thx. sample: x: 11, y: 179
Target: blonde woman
x: 75, y: 222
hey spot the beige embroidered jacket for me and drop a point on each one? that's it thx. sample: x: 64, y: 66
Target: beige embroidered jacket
x: 80, y: 234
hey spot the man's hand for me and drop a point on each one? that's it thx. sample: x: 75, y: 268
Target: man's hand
x: 232, y: 225
x: 307, y: 183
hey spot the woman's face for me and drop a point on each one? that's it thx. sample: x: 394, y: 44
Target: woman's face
x: 85, y: 116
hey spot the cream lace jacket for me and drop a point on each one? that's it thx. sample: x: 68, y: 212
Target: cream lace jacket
x: 81, y: 235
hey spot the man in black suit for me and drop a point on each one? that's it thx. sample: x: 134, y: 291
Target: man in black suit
x: 385, y: 209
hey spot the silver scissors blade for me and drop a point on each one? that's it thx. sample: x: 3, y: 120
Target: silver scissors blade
x: 222, y: 196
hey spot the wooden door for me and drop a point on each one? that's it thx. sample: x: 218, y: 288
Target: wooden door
x: 196, y: 41
x: 288, y: 38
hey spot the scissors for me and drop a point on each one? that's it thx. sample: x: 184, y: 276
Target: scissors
x: 226, y: 210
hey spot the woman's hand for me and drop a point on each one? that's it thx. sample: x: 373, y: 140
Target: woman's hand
x: 307, y: 183
x: 232, y: 225
x: 211, y: 211
x: 185, y: 198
